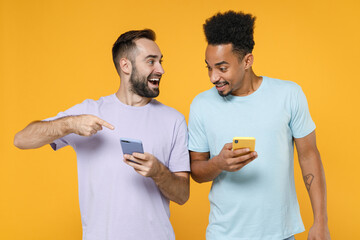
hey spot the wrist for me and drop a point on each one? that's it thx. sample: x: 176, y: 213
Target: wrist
x: 67, y: 125
x: 215, y: 163
x: 159, y: 174
x: 322, y: 219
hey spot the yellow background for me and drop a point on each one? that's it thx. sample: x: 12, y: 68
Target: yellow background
x: 55, y: 54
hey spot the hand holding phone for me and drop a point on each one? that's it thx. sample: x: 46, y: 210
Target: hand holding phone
x: 244, y: 142
x: 146, y: 164
x: 233, y: 156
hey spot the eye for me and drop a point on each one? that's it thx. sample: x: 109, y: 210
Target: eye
x: 161, y: 61
x: 208, y: 68
x: 151, y: 62
x: 223, y: 69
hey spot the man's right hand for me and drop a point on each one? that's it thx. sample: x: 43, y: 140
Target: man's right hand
x: 233, y: 160
x: 40, y: 133
x: 87, y: 125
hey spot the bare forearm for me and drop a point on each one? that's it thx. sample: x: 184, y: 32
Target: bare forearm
x: 40, y: 133
x: 314, y: 178
x: 175, y: 188
x: 204, y: 171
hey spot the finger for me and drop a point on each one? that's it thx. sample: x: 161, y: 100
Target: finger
x: 228, y: 146
x: 105, y: 124
x: 244, y: 158
x: 239, y: 166
x: 240, y: 151
x: 86, y: 134
x: 141, y: 169
x: 97, y: 127
x: 127, y: 157
x: 141, y: 156
x: 92, y: 132
x: 129, y: 160
x: 137, y: 160
x: 135, y: 165
x: 142, y: 172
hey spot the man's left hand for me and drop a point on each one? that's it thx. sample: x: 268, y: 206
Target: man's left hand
x: 145, y: 164
x: 319, y: 232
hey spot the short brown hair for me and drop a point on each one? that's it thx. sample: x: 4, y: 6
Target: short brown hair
x: 125, y: 45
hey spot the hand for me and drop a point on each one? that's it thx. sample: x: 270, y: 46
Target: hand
x: 144, y: 163
x: 233, y: 160
x: 87, y: 125
x: 319, y: 232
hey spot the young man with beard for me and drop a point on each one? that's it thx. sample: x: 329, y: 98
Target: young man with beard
x: 253, y: 194
x: 117, y: 202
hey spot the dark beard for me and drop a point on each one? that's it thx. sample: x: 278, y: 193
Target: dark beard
x: 139, y: 85
x: 224, y: 95
x: 221, y: 93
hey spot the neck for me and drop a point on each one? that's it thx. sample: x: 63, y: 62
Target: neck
x: 126, y: 96
x: 249, y: 85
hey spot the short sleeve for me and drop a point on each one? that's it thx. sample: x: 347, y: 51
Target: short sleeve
x: 179, y: 157
x: 301, y: 123
x: 197, y: 136
x: 67, y: 140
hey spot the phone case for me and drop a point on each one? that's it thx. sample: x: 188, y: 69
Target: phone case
x: 244, y: 142
x: 129, y: 146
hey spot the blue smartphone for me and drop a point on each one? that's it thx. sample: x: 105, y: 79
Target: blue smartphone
x: 129, y: 146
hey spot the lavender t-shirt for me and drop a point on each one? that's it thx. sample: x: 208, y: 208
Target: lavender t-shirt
x: 115, y: 201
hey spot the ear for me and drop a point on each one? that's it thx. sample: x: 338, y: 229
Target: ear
x: 248, y: 60
x: 125, y: 65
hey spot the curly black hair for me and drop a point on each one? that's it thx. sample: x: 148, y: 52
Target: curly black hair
x: 231, y: 27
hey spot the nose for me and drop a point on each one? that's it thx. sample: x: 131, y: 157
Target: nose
x: 214, y: 77
x: 159, y: 69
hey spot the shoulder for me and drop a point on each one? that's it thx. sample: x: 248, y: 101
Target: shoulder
x: 282, y: 86
x: 205, y: 97
x: 100, y: 101
x: 274, y: 82
x: 88, y: 105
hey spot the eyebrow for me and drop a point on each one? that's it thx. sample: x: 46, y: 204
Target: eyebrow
x: 218, y: 64
x: 221, y: 63
x: 153, y: 56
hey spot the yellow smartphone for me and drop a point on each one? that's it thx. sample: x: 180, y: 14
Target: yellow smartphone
x: 244, y: 142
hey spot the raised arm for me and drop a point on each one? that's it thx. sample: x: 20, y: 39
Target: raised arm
x: 204, y: 169
x: 40, y: 133
x: 314, y: 178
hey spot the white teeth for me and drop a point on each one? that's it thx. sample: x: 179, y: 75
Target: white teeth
x: 154, y: 79
x: 220, y: 84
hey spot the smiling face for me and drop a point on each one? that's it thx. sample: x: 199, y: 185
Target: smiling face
x: 146, y: 69
x: 225, y: 69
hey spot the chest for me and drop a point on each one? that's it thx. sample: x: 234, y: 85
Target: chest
x: 267, y: 122
x: 155, y: 133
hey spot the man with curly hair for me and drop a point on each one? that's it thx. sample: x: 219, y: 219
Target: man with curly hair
x: 252, y: 199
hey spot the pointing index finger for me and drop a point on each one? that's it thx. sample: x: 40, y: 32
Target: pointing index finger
x: 106, y: 124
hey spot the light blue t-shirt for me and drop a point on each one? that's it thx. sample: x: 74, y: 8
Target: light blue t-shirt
x: 259, y: 201
x: 115, y: 201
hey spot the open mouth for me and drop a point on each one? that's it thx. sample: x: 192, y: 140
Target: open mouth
x: 221, y: 85
x: 154, y: 81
